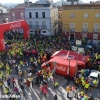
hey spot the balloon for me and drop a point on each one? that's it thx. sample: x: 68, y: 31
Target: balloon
x: 12, y: 25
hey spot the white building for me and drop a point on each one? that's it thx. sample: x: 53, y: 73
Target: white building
x: 4, y: 14
x: 42, y: 18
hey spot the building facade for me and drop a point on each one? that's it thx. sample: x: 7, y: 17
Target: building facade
x: 42, y: 18
x: 60, y: 19
x: 81, y: 20
x: 18, y: 12
x: 4, y: 14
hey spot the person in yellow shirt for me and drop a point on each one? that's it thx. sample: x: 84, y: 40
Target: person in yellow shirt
x: 2, y: 64
x: 82, y: 71
x: 86, y: 97
x: 56, y: 85
x: 95, y: 82
x: 7, y: 68
x: 82, y: 93
x: 1, y: 84
x: 83, y: 84
x: 87, y: 86
x: 0, y: 67
x: 21, y: 63
x: 6, y: 90
x: 1, y: 76
x: 68, y: 88
x: 31, y: 60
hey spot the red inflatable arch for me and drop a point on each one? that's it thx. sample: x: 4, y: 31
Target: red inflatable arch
x: 12, y: 25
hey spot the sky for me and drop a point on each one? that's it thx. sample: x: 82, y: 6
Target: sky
x: 21, y: 1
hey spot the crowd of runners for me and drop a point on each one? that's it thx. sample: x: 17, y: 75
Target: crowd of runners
x: 24, y: 58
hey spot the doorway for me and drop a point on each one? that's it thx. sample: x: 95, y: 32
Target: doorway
x: 37, y: 32
x: 95, y: 36
x: 71, y: 36
x: 55, y: 32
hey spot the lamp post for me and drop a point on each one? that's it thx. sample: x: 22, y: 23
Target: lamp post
x: 76, y: 64
x: 69, y: 70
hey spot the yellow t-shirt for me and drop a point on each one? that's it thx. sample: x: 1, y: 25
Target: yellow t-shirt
x: 0, y: 66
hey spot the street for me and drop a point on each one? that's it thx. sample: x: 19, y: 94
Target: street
x: 34, y: 93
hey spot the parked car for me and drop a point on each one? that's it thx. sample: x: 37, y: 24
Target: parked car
x: 94, y: 75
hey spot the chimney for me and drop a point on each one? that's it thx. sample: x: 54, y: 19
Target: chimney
x: 90, y: 2
x: 26, y: 1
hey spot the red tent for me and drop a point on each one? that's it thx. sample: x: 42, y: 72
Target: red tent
x: 62, y: 60
x: 57, y: 53
x: 62, y: 66
x: 79, y: 58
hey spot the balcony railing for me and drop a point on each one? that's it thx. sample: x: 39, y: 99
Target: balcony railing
x: 72, y: 29
x: 84, y: 29
x: 38, y: 26
x: 95, y: 30
x: 31, y: 26
x: 43, y: 27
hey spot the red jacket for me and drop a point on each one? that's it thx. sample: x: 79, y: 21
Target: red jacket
x: 27, y: 83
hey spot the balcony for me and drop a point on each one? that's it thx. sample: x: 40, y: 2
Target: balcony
x: 84, y: 29
x: 95, y: 30
x: 43, y: 26
x: 36, y: 26
x: 31, y: 26
x: 72, y: 29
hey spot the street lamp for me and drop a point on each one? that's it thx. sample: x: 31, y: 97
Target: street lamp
x: 68, y: 69
x: 76, y: 63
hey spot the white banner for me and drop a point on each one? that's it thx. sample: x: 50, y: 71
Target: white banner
x: 73, y: 48
x: 78, y: 42
x: 80, y: 49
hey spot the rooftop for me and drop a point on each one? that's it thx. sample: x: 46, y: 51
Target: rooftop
x: 23, y: 5
x: 82, y: 6
x: 39, y: 5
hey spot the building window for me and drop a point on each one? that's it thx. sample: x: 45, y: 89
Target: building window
x: 96, y: 27
x: 85, y: 15
x: 44, y: 24
x: 44, y: 31
x: 37, y: 24
x: 72, y: 26
x: 22, y: 15
x: 97, y: 15
x: 43, y: 14
x: 72, y: 15
x: 95, y: 36
x: 30, y: 24
x: 85, y: 27
x: 30, y: 15
x: 13, y: 15
x: 36, y: 14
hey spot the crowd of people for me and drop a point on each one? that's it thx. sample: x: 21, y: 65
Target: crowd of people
x: 29, y: 55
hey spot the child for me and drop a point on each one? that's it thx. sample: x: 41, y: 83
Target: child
x: 45, y: 92
x: 55, y: 85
